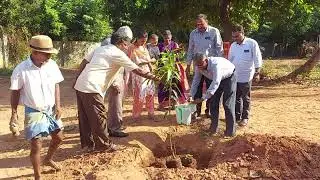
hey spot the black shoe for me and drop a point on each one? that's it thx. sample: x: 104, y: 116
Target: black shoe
x: 118, y: 134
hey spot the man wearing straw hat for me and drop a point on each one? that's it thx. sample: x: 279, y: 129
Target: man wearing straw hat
x: 35, y: 84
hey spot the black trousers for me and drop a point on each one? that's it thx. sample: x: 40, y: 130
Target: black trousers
x: 243, y: 100
x: 227, y: 88
x: 198, y: 94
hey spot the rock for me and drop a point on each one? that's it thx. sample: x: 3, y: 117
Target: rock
x: 254, y: 174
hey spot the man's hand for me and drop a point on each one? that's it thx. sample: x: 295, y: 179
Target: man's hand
x: 13, y: 125
x: 57, y: 112
x: 197, y: 101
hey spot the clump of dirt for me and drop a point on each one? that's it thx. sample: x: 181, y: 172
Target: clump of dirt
x: 175, y: 162
x: 247, y: 156
x: 266, y: 156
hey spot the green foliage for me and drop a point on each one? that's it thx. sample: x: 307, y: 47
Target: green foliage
x: 167, y: 70
x: 5, y: 71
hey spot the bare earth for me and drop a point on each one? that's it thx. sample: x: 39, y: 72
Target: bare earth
x: 280, y: 142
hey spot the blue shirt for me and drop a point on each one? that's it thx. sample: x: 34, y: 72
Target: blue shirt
x: 246, y: 57
x: 209, y: 42
x: 218, y: 69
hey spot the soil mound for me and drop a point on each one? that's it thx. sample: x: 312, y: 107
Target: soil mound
x: 266, y: 156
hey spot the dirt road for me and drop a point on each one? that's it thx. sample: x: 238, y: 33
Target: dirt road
x: 283, y: 132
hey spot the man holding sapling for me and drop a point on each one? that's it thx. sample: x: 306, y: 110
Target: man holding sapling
x: 94, y: 80
x: 221, y: 72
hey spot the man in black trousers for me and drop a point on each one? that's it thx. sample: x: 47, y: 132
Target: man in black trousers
x: 222, y: 73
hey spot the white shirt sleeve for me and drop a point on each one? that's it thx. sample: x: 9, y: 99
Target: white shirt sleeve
x: 57, y: 73
x: 218, y: 44
x: 256, y: 54
x: 190, y: 49
x: 195, y: 82
x: 123, y: 60
x: 89, y: 56
x: 230, y: 54
x: 16, y: 79
x: 216, y: 79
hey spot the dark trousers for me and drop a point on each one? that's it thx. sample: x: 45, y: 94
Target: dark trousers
x: 243, y: 100
x: 92, y: 120
x: 115, y: 107
x: 228, y: 89
x: 198, y: 94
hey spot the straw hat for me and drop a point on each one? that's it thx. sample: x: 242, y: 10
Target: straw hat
x: 42, y: 43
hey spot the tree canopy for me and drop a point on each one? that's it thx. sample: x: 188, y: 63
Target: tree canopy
x: 270, y: 21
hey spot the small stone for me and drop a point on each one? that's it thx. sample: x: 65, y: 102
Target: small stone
x: 206, y: 170
x: 254, y: 174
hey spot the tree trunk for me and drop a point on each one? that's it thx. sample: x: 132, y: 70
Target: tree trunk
x: 225, y: 19
x: 307, y: 67
x: 3, y: 49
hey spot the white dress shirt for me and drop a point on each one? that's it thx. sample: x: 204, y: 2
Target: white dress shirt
x: 246, y: 57
x: 37, y: 84
x: 105, y: 64
x: 218, y: 69
x: 208, y: 42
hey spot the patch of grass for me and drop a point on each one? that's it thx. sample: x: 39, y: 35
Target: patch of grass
x: 5, y: 71
x: 278, y: 68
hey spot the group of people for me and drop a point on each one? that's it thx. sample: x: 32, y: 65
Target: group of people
x: 109, y: 69
x: 230, y: 77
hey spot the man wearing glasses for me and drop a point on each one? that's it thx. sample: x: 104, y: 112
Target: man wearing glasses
x: 205, y: 39
x: 246, y: 56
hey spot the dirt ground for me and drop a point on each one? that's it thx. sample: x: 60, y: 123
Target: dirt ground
x: 282, y: 141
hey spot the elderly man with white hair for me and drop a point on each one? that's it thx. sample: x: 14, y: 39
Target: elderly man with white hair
x: 95, y: 78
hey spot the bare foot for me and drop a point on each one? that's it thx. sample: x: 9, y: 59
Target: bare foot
x: 51, y: 163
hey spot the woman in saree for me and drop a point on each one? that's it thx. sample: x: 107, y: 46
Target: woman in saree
x: 182, y: 84
x: 143, y: 90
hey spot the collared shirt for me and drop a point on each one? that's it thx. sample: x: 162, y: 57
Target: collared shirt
x: 218, y: 69
x: 246, y: 57
x: 106, y: 62
x: 208, y: 42
x: 37, y: 84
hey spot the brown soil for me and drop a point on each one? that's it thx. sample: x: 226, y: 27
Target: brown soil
x: 280, y: 142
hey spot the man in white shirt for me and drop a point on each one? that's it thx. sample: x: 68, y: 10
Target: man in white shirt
x: 114, y: 96
x: 94, y: 80
x: 223, y: 81
x: 246, y: 56
x: 205, y: 39
x: 35, y: 84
